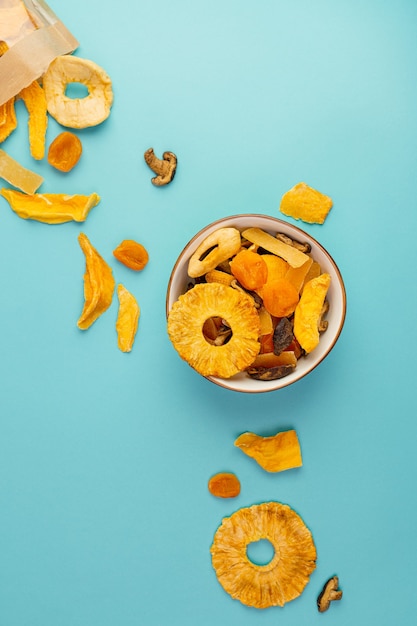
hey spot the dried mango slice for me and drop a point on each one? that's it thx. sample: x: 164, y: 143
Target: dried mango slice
x: 77, y: 112
x: 186, y: 322
x: 8, y: 120
x: 99, y: 284
x: 51, y: 208
x: 264, y: 240
x: 305, y: 203
x: 274, y: 454
x: 34, y: 98
x: 17, y: 175
x: 127, y: 319
x: 308, y: 312
x: 281, y: 580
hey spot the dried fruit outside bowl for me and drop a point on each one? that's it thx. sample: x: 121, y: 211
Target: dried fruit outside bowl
x: 242, y: 382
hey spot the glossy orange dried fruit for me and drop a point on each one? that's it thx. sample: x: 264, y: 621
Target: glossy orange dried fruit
x: 224, y: 485
x: 34, y: 98
x: 185, y: 329
x: 127, y: 319
x: 249, y: 268
x: 305, y: 203
x: 132, y: 254
x: 8, y: 119
x: 65, y: 151
x: 308, y: 312
x: 280, y: 297
x: 51, y: 208
x: 99, y: 284
x: 287, y: 574
x: 274, y: 454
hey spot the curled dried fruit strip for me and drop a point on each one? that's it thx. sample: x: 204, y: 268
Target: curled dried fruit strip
x: 281, y: 580
x: 127, y: 319
x: 185, y: 329
x: 305, y: 203
x: 77, y: 112
x: 132, y: 254
x: 98, y: 284
x: 274, y: 454
x: 65, y: 151
x: 34, y: 98
x: 224, y: 485
x: 51, y: 208
x: 17, y: 175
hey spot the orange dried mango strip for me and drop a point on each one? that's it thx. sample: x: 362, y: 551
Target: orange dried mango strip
x: 308, y: 312
x: 127, y: 319
x: 51, y: 208
x: 17, y: 175
x: 34, y: 98
x: 99, y: 284
x: 274, y: 454
x: 8, y: 120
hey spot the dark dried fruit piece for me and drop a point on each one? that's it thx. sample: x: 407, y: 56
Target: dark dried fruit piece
x: 283, y: 335
x: 270, y: 373
x: 329, y: 593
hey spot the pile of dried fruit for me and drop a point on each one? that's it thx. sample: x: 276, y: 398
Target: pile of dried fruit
x: 256, y: 304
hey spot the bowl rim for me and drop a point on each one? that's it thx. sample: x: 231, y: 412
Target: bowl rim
x: 286, y: 381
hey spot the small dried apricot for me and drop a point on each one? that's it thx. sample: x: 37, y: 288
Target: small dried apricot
x: 249, y: 269
x: 132, y: 254
x: 65, y: 151
x: 280, y: 297
x: 224, y: 485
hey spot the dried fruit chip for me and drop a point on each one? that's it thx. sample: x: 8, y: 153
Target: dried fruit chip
x: 305, y: 203
x: 77, y: 112
x: 224, y: 485
x: 274, y: 454
x: 286, y: 251
x: 307, y: 314
x: 51, y: 208
x: 8, y: 120
x: 217, y: 247
x: 250, y: 269
x: 127, y: 319
x: 34, y: 98
x: 98, y: 284
x: 281, y: 580
x: 65, y: 151
x: 132, y: 254
x: 185, y: 328
x: 17, y: 175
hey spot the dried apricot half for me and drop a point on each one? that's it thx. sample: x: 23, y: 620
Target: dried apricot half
x: 65, y: 151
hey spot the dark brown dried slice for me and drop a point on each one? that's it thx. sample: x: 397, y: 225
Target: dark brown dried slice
x: 283, y: 335
x: 270, y: 373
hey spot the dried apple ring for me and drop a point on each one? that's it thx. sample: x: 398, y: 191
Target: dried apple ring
x: 186, y: 322
x: 282, y: 579
x: 77, y: 112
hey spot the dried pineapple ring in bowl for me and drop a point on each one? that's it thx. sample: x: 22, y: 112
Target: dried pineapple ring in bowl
x: 77, y: 112
x: 186, y: 322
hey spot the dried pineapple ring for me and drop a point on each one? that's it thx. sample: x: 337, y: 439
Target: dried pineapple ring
x: 185, y: 328
x: 77, y: 112
x: 282, y: 579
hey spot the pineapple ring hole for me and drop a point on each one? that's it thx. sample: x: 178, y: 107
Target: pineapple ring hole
x: 216, y: 331
x: 260, y: 552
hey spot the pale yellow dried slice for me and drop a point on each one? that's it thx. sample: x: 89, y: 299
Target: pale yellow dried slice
x: 302, y: 202
x: 127, y: 319
x: 17, y: 175
x: 289, y: 253
x: 281, y: 580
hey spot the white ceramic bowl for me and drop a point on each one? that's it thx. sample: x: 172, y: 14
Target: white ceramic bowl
x: 336, y: 296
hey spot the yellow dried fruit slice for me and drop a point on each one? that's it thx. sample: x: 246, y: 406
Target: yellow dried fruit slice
x: 305, y: 203
x: 289, y: 253
x: 17, y: 175
x: 185, y: 329
x: 99, y: 284
x: 308, y: 312
x: 127, y: 319
x: 8, y: 120
x: 281, y: 580
x: 34, y: 98
x: 274, y: 454
x: 51, y: 208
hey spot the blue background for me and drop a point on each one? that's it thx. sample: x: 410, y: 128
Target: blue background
x: 104, y: 457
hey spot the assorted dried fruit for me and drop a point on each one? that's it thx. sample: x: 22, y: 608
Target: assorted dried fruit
x: 127, y: 319
x: 281, y: 580
x: 65, y: 151
x: 99, y: 284
x: 17, y: 175
x: 34, y: 98
x: 224, y: 485
x: 284, y: 293
x: 329, y: 593
x: 51, y: 208
x: 132, y: 254
x: 164, y: 168
x: 305, y: 203
x: 90, y: 110
x: 274, y: 454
